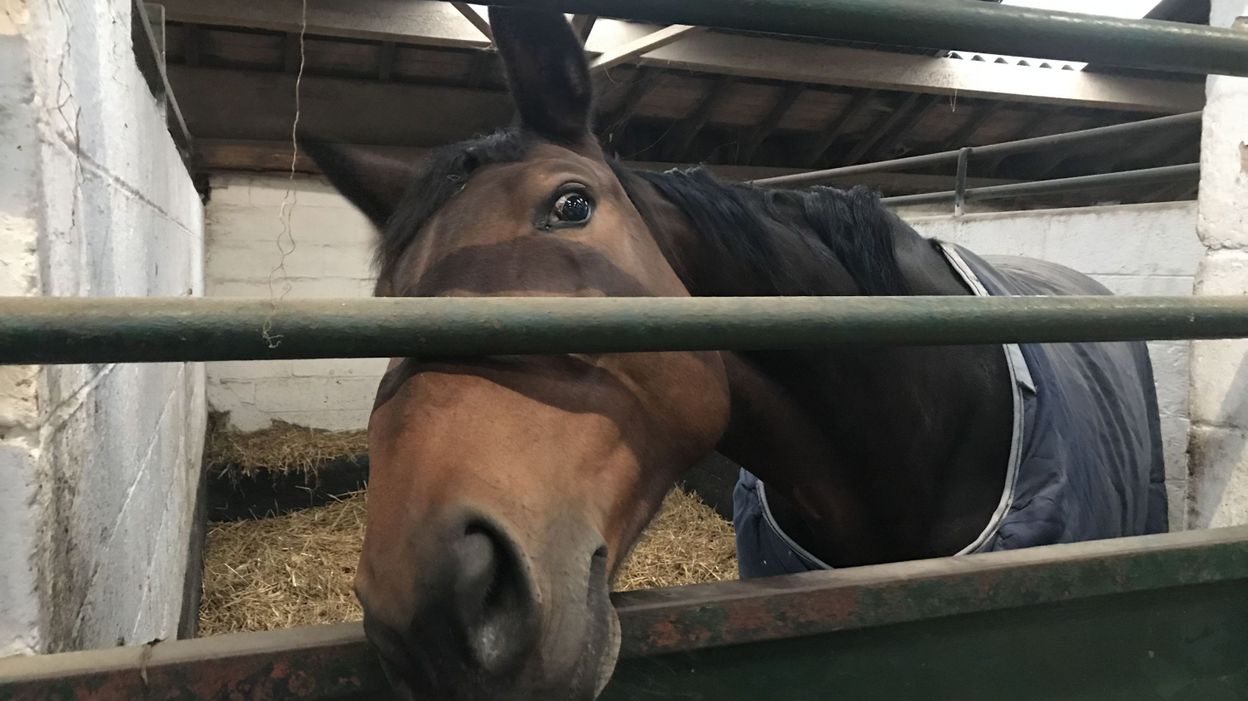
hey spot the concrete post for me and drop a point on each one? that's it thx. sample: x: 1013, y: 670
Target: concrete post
x: 1219, y: 397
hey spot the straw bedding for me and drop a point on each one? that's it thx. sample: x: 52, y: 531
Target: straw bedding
x: 297, y: 569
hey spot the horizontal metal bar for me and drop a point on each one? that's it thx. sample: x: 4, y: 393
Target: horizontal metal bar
x: 957, y: 24
x: 1005, y: 148
x: 1143, y: 176
x: 331, y: 662
x: 79, y: 330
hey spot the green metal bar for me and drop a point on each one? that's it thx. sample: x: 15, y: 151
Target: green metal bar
x: 1189, y: 120
x: 949, y: 24
x: 1150, y: 614
x: 84, y: 330
x: 1143, y: 176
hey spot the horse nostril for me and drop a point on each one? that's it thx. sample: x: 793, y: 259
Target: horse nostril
x: 493, y: 599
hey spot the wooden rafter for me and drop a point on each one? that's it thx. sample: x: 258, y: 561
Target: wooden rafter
x: 440, y: 25
x: 192, y: 44
x: 479, y: 68
x: 641, y: 46
x: 962, y: 137
x: 291, y: 52
x: 687, y: 130
x: 877, y: 132
x: 759, y: 134
x: 642, y: 83
x: 829, y: 134
x: 274, y: 156
x: 385, y: 61
x: 914, y: 112
x: 470, y: 13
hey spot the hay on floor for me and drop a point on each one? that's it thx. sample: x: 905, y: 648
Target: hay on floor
x: 297, y: 569
x: 282, y: 447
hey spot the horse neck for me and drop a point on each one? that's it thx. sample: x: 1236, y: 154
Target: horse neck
x: 869, y: 454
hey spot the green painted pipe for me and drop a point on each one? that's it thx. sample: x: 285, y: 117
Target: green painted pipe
x: 1143, y: 176
x: 105, y: 330
x: 964, y: 25
x: 1189, y: 120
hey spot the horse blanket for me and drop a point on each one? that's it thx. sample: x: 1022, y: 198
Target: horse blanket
x: 1085, y: 461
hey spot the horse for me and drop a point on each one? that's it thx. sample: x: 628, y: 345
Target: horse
x: 505, y: 491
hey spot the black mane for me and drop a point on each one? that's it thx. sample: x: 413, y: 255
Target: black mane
x: 742, y: 219
x: 745, y: 219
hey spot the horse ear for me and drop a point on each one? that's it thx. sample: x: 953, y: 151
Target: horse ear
x: 546, y: 71
x: 373, y: 182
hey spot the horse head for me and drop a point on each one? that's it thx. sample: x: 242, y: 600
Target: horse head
x: 505, y: 491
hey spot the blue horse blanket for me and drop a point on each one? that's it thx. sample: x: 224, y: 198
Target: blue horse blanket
x: 1086, y: 458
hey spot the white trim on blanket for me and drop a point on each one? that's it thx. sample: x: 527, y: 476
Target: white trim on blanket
x: 1020, y: 379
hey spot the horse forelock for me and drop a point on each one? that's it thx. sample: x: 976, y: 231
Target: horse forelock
x: 443, y: 175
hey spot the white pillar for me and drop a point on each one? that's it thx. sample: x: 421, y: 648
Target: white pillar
x: 1219, y: 398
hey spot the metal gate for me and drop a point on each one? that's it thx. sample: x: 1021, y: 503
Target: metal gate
x: 1161, y: 616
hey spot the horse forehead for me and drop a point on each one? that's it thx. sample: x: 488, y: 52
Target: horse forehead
x: 545, y: 166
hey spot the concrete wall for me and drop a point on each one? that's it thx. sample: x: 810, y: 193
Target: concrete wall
x: 331, y: 258
x: 1220, y: 368
x: 99, y: 463
x: 1149, y: 249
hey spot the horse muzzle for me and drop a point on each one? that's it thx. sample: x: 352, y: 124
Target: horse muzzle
x: 487, y: 620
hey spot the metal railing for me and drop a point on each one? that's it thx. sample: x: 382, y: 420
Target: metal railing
x: 1143, y: 176
x: 77, y: 330
x: 993, y: 151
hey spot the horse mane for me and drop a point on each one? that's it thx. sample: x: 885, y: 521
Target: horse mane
x: 746, y: 221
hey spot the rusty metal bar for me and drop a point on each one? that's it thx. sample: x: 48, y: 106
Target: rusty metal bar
x: 814, y: 610
x: 136, y: 330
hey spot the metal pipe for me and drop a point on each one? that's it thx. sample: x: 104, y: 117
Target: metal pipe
x: 1138, y: 577
x: 84, y: 330
x: 958, y: 24
x: 1143, y: 176
x: 1005, y: 148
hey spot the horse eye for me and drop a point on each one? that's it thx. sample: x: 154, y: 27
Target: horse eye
x: 572, y: 208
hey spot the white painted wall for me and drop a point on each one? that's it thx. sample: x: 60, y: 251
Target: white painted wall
x: 1220, y: 368
x: 1133, y: 249
x: 99, y: 463
x: 1149, y: 249
x: 331, y: 257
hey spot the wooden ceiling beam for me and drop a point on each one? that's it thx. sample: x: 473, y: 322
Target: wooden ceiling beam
x: 385, y: 61
x: 631, y: 51
x: 686, y: 130
x: 642, y: 83
x: 764, y: 129
x: 830, y: 133
x: 962, y: 137
x: 273, y: 156
x: 914, y: 113
x: 424, y: 23
x: 475, y: 19
x: 877, y: 133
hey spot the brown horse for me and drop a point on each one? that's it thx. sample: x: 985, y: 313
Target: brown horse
x: 505, y: 491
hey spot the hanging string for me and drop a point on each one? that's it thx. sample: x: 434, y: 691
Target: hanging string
x: 286, y: 237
